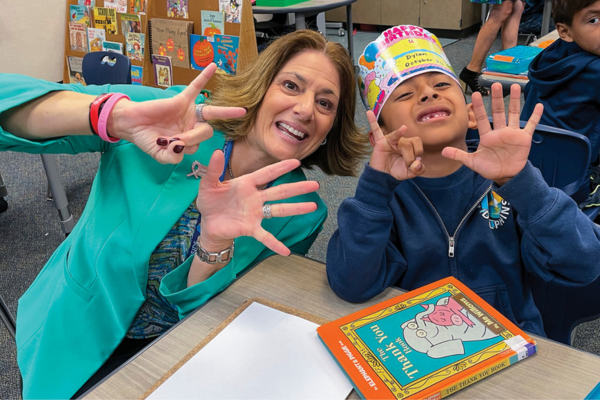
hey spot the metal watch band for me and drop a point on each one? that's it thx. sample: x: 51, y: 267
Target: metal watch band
x: 217, y: 257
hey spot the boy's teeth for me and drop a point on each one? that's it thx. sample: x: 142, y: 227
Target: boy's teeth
x: 434, y: 115
x: 293, y: 131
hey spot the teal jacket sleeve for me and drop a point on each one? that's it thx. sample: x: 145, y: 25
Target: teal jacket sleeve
x: 16, y: 90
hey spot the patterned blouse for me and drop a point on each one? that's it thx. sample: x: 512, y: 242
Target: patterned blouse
x: 157, y: 314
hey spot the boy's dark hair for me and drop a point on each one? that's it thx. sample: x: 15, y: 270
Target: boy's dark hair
x: 564, y: 10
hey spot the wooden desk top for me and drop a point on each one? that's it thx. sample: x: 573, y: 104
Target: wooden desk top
x: 556, y: 371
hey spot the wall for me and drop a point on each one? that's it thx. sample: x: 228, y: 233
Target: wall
x: 32, y: 34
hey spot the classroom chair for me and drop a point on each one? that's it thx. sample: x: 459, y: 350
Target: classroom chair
x: 103, y: 67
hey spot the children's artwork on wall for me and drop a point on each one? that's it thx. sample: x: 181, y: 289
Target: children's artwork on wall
x: 177, y: 8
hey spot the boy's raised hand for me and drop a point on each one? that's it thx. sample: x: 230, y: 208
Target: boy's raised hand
x: 394, y: 154
x: 502, y: 151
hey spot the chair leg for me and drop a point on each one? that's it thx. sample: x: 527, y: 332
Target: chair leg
x: 58, y: 192
x: 7, y: 318
x: 3, y: 194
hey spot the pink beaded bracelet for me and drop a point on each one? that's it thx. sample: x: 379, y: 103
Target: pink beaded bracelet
x: 103, y: 118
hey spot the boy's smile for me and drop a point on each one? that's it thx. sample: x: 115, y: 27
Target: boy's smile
x: 432, y: 107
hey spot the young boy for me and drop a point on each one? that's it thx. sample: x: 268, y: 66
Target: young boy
x: 426, y: 208
x: 565, y: 77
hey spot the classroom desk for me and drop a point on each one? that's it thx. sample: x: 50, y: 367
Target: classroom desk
x: 556, y: 371
x: 311, y: 7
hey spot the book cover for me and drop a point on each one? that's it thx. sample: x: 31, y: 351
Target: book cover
x: 130, y: 23
x: 427, y: 343
x: 119, y: 5
x: 87, y: 3
x: 213, y: 23
x: 226, y: 53
x: 78, y: 36
x: 74, y: 66
x: 137, y: 6
x: 163, y: 71
x: 135, y: 46
x: 96, y: 39
x: 202, y: 51
x: 136, y: 75
x: 113, y: 47
x: 171, y: 38
x: 177, y: 8
x: 106, y: 18
x: 80, y: 14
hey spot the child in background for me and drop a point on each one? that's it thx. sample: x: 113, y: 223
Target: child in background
x: 427, y: 207
x: 565, y: 78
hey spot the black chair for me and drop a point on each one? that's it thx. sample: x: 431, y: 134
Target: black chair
x: 103, y: 67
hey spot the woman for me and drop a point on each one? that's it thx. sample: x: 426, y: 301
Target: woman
x: 505, y: 15
x: 138, y: 261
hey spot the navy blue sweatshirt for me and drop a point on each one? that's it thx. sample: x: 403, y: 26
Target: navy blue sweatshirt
x: 566, y: 80
x: 392, y: 233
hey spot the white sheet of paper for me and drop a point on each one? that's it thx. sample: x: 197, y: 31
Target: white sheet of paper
x: 262, y: 354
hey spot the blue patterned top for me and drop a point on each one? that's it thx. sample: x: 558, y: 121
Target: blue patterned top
x: 157, y: 314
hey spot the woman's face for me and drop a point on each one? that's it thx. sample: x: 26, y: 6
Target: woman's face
x: 298, y: 109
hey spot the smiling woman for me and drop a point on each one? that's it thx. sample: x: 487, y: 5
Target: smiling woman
x: 156, y: 240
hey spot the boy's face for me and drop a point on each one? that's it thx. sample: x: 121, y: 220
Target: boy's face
x: 432, y: 106
x: 584, y: 30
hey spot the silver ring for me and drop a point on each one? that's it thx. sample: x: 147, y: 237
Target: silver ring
x: 267, y: 211
x: 199, y: 117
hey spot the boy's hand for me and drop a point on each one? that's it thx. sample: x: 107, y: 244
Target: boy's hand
x: 503, y: 151
x: 394, y: 154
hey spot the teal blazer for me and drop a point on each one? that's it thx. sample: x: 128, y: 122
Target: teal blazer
x: 83, y: 301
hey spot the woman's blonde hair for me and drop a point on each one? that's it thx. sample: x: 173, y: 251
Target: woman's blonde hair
x: 346, y: 144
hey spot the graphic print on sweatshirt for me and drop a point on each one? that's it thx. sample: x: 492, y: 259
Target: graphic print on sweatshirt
x: 495, y: 209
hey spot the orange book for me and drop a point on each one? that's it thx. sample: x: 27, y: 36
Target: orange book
x: 425, y: 344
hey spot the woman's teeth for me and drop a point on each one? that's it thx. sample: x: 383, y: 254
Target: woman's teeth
x: 288, y: 129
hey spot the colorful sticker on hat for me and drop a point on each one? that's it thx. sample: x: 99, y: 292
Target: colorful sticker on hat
x: 398, y: 54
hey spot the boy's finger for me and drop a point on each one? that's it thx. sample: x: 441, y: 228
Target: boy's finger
x: 483, y: 124
x: 498, y: 113
x: 514, y: 107
x: 405, y: 145
x: 377, y: 133
x: 417, y: 168
x: 393, y: 137
x: 193, y: 89
x: 535, y: 118
x: 458, y: 155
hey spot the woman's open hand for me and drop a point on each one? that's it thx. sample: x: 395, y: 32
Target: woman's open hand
x: 502, y: 151
x: 235, y: 207
x: 394, y: 154
x: 167, y: 129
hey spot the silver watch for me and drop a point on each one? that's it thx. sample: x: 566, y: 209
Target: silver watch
x: 212, y: 257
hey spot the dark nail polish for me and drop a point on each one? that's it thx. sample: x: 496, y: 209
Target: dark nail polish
x: 178, y: 149
x: 162, y: 141
x: 173, y: 140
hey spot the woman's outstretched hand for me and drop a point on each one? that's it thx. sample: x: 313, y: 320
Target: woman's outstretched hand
x: 395, y: 154
x: 234, y: 208
x: 167, y: 129
x: 502, y: 151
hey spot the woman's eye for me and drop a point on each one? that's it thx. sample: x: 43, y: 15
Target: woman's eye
x: 290, y: 85
x: 326, y: 104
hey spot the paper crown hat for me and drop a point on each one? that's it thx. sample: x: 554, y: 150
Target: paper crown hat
x: 398, y: 54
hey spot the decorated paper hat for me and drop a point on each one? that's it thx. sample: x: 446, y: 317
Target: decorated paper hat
x: 398, y: 54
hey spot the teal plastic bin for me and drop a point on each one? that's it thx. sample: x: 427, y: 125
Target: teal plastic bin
x: 515, y: 60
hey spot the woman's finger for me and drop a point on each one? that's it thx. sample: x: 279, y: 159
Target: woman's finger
x: 514, y: 107
x: 214, y: 169
x: 483, y: 124
x: 218, y: 112
x: 197, y: 135
x: 193, y: 89
x: 288, y: 190
x: 289, y: 209
x: 271, y: 242
x: 273, y: 171
x: 498, y: 112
